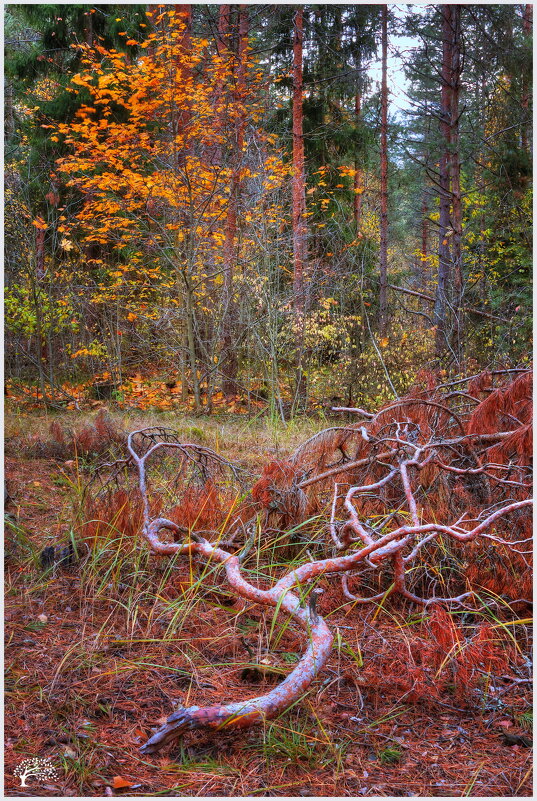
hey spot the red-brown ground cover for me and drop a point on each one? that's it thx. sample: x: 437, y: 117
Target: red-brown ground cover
x: 412, y: 702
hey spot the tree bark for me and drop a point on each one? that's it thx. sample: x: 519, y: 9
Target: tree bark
x: 383, y: 296
x: 358, y: 173
x: 525, y: 101
x: 455, y: 169
x: 299, y: 199
x: 444, y: 252
x: 424, y: 229
x: 223, y: 28
x: 450, y: 270
x: 183, y: 65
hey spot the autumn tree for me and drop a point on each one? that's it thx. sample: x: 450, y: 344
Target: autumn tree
x: 39, y: 57
x: 142, y: 161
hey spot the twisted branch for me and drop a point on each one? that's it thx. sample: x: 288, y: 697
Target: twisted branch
x: 367, y: 547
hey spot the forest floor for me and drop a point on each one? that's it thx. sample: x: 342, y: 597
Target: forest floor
x: 99, y: 652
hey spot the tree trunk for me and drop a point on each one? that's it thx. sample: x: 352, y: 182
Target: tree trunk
x: 358, y: 174
x: 424, y: 229
x: 214, y: 153
x: 223, y: 28
x: 230, y: 360
x: 526, y: 121
x: 299, y: 201
x: 88, y: 29
x: 191, y: 340
x: 455, y: 169
x: 383, y: 296
x: 9, y: 116
x: 444, y: 253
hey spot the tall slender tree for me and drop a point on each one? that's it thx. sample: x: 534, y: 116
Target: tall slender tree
x: 450, y: 273
x: 299, y: 197
x: 383, y: 296
x: 444, y: 232
x: 455, y: 176
x: 528, y: 22
x: 358, y: 171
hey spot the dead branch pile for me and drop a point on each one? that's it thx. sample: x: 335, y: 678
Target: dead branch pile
x: 478, y: 445
x: 432, y: 486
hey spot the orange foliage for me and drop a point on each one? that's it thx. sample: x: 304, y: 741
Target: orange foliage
x: 158, y: 177
x: 117, y: 516
x: 200, y: 508
x: 444, y: 629
x: 278, y: 493
x: 505, y: 408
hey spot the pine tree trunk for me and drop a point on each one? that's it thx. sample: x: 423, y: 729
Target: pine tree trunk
x: 424, y: 229
x: 358, y: 174
x: 9, y: 116
x: 88, y: 29
x: 223, y: 28
x: 444, y: 252
x: 299, y: 201
x: 383, y: 295
x: 455, y: 169
x: 191, y: 340
x: 525, y: 101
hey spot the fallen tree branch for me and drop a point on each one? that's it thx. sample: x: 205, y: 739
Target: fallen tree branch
x: 369, y: 415
x: 243, y: 714
x: 365, y: 543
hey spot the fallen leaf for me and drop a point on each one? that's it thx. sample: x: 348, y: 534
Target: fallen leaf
x: 42, y: 618
x: 119, y: 782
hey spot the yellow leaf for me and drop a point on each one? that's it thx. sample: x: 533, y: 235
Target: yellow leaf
x: 384, y: 342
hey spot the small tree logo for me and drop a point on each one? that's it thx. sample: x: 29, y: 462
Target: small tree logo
x: 38, y: 767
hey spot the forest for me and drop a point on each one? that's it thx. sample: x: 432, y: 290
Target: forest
x: 268, y: 343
